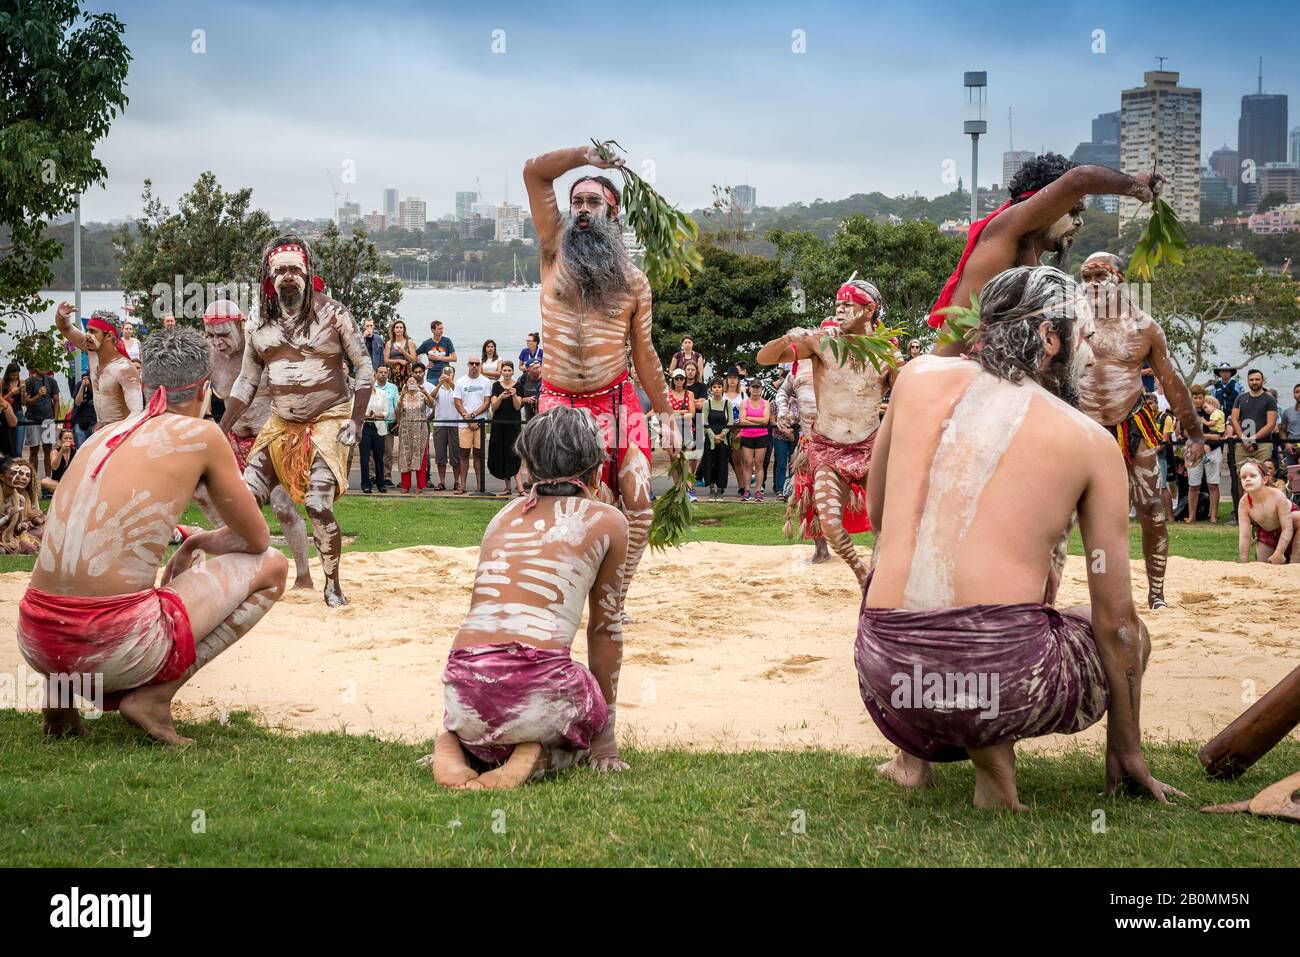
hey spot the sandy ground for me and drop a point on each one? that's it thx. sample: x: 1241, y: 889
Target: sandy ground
x: 757, y: 653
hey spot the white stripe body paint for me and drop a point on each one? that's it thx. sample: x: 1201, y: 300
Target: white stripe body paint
x: 974, y: 438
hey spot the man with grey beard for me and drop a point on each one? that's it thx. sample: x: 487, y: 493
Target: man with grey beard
x: 595, y: 308
x: 960, y: 594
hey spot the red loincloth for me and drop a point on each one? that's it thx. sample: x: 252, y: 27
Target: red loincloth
x: 241, y: 445
x: 617, y: 409
x: 851, y: 462
x: 113, y: 636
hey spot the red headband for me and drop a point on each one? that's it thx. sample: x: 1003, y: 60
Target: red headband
x: 851, y: 293
x: 610, y: 198
x: 223, y: 310
x: 103, y: 325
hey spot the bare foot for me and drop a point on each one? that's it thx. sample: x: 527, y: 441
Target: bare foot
x: 523, y: 761
x: 821, y: 552
x: 334, y: 596
x: 907, y: 770
x: 63, y: 723
x: 303, y: 581
x: 150, y: 710
x: 1157, y: 601
x: 995, y: 778
x: 450, y: 769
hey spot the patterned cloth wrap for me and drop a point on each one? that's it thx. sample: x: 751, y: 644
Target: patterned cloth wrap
x: 141, y: 638
x: 498, y: 695
x: 851, y: 462
x: 242, y: 446
x: 294, y: 445
x: 1270, y: 537
x: 1138, y: 426
x: 1048, y: 673
x: 617, y: 409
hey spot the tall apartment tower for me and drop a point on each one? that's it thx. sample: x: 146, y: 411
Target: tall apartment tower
x: 1012, y: 160
x: 744, y: 198
x: 410, y: 213
x: 1160, y: 128
x: 390, y: 205
x: 465, y: 204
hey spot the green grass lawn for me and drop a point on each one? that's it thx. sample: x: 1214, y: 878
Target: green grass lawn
x: 380, y: 524
x: 265, y: 798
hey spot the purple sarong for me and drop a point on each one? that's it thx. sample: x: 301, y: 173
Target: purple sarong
x: 497, y: 696
x: 941, y: 681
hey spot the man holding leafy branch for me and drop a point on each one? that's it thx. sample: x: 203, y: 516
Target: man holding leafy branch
x: 1111, y: 393
x: 596, y: 306
x: 849, y: 390
x: 1044, y: 214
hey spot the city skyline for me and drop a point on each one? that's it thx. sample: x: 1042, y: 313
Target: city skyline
x: 837, y: 119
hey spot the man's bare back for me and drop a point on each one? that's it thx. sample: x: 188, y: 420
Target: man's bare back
x: 107, y: 536
x: 989, y: 505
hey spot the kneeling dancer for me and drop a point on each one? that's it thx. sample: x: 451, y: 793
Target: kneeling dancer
x: 958, y: 655
x: 841, y: 440
x: 513, y: 697
x: 1268, y: 517
x: 92, y: 608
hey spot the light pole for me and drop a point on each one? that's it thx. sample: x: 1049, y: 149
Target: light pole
x: 976, y: 83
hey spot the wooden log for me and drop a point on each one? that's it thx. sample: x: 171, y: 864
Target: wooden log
x: 1255, y: 731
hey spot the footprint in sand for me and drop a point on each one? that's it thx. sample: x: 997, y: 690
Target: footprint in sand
x: 794, y: 665
x: 297, y: 710
x: 1196, y: 597
x: 651, y: 658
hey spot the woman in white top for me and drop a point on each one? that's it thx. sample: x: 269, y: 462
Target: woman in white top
x: 131, y: 342
x: 491, y: 361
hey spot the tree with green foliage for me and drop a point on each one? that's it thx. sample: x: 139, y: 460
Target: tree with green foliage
x: 1271, y: 201
x: 62, y: 73
x: 908, y: 263
x: 356, y: 276
x: 178, y: 262
x: 1220, y: 290
x: 734, y: 304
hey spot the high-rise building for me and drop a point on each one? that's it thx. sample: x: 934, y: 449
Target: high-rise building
x: 744, y: 198
x: 349, y: 213
x: 1216, y: 191
x: 1261, y: 136
x: 464, y: 204
x: 1293, y: 146
x: 1281, y: 178
x: 376, y: 222
x: 1224, y: 162
x: 1105, y: 128
x: 390, y: 203
x: 1012, y: 160
x: 509, y: 223
x: 1160, y: 129
x: 482, y: 210
x: 410, y: 213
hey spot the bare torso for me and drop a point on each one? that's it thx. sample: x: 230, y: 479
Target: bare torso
x: 1121, y: 346
x: 976, y: 498
x: 586, y: 349
x: 537, y: 570
x: 225, y: 371
x: 847, y: 396
x: 110, y: 382
x: 305, y: 375
x: 107, y: 535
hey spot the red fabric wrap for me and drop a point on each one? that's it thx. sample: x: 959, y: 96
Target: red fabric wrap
x: 611, y: 199
x: 950, y: 287
x: 617, y: 410
x: 851, y: 293
x: 66, y: 634
x: 241, y: 445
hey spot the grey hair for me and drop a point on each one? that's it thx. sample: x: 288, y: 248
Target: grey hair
x: 1012, y: 306
x: 1109, y: 258
x: 174, y: 358
x: 561, y: 443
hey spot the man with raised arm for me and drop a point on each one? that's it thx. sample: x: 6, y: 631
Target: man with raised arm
x: 92, y: 607
x: 595, y: 307
x: 300, y: 338
x: 1043, y: 215
x: 114, y: 382
x: 1111, y: 393
x: 958, y: 653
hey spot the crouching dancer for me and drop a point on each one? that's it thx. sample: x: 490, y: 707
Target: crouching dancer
x: 92, y: 608
x: 514, y: 699
x: 958, y: 653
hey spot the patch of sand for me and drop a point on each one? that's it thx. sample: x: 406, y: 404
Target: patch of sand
x: 714, y: 661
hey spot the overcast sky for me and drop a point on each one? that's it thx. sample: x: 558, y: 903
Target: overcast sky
x: 287, y: 93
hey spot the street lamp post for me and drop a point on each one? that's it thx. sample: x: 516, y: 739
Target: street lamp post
x: 976, y: 83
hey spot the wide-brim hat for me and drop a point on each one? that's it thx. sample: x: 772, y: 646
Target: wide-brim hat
x: 1224, y: 367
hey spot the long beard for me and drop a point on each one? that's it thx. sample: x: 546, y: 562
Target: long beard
x: 595, y: 261
x: 1063, y: 377
x: 290, y: 295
